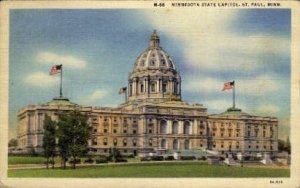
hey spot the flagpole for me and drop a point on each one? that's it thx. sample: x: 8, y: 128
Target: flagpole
x: 233, y: 95
x: 61, y: 72
x: 126, y: 96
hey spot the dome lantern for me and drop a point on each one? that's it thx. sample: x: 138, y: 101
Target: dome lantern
x: 154, y: 40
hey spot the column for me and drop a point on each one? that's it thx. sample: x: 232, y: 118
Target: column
x: 196, y: 126
x: 169, y: 126
x: 157, y: 86
x: 180, y: 127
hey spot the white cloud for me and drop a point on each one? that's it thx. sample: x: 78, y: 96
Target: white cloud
x: 268, y: 109
x: 67, y: 60
x: 41, y: 79
x: 96, y: 96
x: 208, y: 42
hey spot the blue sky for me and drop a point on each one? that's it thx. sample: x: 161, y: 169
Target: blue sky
x: 98, y: 49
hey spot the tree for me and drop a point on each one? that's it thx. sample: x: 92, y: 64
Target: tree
x: 288, y: 145
x: 13, y: 142
x: 49, y: 138
x: 281, y: 145
x: 73, y: 135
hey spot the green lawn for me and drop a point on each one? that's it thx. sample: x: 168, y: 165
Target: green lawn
x: 178, y: 169
x: 28, y: 160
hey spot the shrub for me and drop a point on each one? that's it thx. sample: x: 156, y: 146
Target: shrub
x: 221, y: 158
x: 89, y: 160
x: 187, y: 158
x: 203, y: 158
x: 77, y: 161
x: 157, y: 158
x: 101, y: 159
x: 145, y: 159
x: 169, y: 158
x: 118, y: 160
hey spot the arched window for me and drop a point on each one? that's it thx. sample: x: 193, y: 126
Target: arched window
x: 186, y: 144
x: 175, y: 127
x: 115, y: 141
x: 142, y: 88
x: 150, y: 142
x: 163, y: 143
x: 105, y: 141
x: 175, y: 144
x: 164, y: 87
x: 152, y: 87
x: 163, y: 127
x: 125, y: 142
x: 187, y: 127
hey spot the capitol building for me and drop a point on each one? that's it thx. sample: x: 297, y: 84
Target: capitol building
x: 155, y: 119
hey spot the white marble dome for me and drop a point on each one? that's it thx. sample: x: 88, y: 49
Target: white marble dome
x: 154, y: 57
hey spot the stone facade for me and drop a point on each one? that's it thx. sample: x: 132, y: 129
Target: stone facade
x: 155, y: 119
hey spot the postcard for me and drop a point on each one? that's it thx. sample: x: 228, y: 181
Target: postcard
x: 149, y: 94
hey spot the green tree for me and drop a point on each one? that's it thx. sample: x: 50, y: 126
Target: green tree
x: 13, y: 142
x: 73, y: 135
x: 49, y: 138
x: 281, y: 145
x: 287, y: 147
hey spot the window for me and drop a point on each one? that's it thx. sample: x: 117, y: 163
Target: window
x: 175, y: 128
x: 105, y: 141
x: 256, y: 133
x: 152, y: 63
x: 115, y: 131
x: 152, y: 87
x: 95, y: 130
x: 186, y: 144
x: 222, y: 146
x: 105, y: 130
x: 164, y: 87
x: 163, y: 62
x: 249, y: 146
x: 187, y: 127
x: 150, y: 142
x: 150, y: 131
x: 134, y: 142
x: 134, y: 132
x: 249, y: 133
x: 94, y: 142
x: 163, y: 127
x: 125, y: 131
x: 175, y: 144
x: 163, y: 143
x: 200, y: 132
x: 142, y: 88
x: 115, y: 142
x: 257, y: 147
x: 124, y: 142
x: 222, y: 134
x: 264, y: 133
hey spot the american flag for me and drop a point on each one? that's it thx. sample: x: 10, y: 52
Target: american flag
x: 55, y: 69
x: 228, y: 85
x: 122, y: 90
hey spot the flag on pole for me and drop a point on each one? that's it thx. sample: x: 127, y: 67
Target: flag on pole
x: 228, y: 85
x: 122, y: 90
x: 55, y: 69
